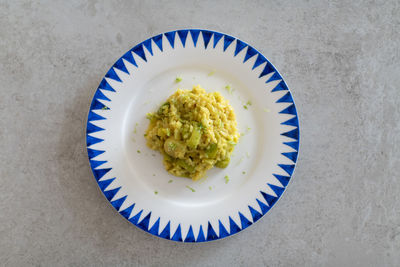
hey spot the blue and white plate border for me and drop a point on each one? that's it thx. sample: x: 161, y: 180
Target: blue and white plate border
x: 264, y: 200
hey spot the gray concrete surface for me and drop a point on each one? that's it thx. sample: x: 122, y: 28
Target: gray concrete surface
x: 341, y: 60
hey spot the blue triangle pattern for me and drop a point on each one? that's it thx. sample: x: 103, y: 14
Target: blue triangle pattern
x: 195, y: 36
x: 171, y: 38
x: 106, y: 86
x: 291, y: 155
x: 178, y: 235
x: 294, y: 145
x: 267, y: 69
x: 111, y: 193
x: 280, y: 87
x: 103, y: 184
x: 158, y: 40
x: 96, y: 163
x: 94, y: 117
x: 138, y: 50
x: 227, y: 41
x: 278, y: 190
x: 244, y: 221
x: 99, y: 95
x: 113, y: 75
x: 287, y: 168
x: 96, y: 104
x: 118, y: 203
x: 100, y: 173
x: 289, y: 110
x: 274, y: 77
x: 284, y: 180
x: 129, y: 57
x: 190, y: 235
x: 292, y: 134
x: 166, y: 232
x: 250, y: 53
x: 90, y: 140
x: 234, y: 228
x: 287, y: 98
x: 155, y: 228
x: 135, y: 218
x: 255, y: 214
x: 269, y: 198
x: 183, y: 35
x: 211, y: 235
x: 200, y: 236
x: 292, y: 122
x: 121, y: 66
x: 260, y: 60
x: 217, y: 37
x: 239, y: 46
x: 91, y: 128
x: 144, y: 224
x: 264, y: 208
x: 222, y: 231
x: 148, y: 46
x: 127, y: 212
x: 206, y: 37
x: 92, y: 153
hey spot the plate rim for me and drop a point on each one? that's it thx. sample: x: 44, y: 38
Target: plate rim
x: 138, y: 49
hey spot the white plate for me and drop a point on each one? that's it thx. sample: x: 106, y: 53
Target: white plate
x: 137, y: 184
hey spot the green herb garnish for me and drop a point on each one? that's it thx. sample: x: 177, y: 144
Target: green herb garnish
x: 229, y: 88
x: 170, y: 181
x: 155, y: 192
x: 191, y: 189
x: 138, y: 151
x: 178, y: 79
x: 226, y: 179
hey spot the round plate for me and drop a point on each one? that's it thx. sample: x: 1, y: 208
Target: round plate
x: 132, y: 176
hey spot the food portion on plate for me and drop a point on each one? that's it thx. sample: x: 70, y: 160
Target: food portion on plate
x: 194, y: 131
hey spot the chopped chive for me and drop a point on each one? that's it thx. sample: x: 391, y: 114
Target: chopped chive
x: 248, y: 103
x: 104, y: 108
x: 226, y: 179
x: 154, y: 174
x: 155, y: 192
x: 210, y: 188
x: 170, y: 181
x: 229, y: 88
x: 244, y: 106
x: 191, y: 189
x: 211, y: 73
x: 178, y: 79
x: 243, y: 172
x: 138, y: 151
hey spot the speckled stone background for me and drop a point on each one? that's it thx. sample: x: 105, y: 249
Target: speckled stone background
x: 340, y: 58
